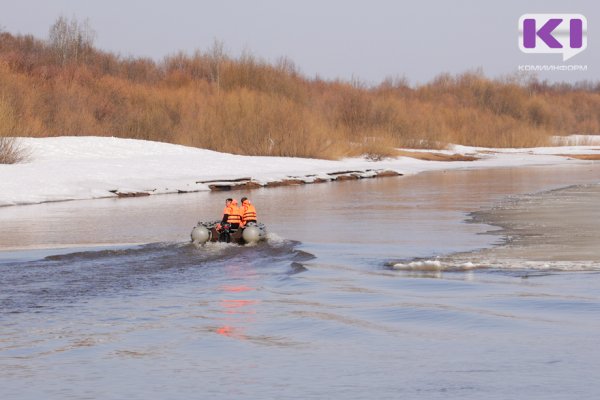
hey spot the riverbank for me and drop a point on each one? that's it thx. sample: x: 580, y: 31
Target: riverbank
x: 79, y: 168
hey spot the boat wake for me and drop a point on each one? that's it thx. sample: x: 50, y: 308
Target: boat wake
x: 66, y: 278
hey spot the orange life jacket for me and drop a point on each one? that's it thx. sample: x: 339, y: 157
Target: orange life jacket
x: 234, y: 214
x: 249, y: 212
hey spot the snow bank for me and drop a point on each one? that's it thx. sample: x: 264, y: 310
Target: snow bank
x: 69, y: 168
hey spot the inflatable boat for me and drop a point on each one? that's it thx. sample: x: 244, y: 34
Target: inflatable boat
x: 207, y: 232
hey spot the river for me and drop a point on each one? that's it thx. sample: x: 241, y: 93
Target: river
x: 365, y: 289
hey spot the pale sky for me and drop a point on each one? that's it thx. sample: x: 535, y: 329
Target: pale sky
x: 366, y: 40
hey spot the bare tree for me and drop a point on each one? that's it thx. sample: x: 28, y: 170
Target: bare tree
x: 216, y: 55
x: 287, y: 66
x: 71, y: 40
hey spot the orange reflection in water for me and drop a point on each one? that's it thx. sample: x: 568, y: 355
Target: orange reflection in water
x: 235, y: 306
x: 236, y: 311
x: 237, y: 289
x: 230, y: 331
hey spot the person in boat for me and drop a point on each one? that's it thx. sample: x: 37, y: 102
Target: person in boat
x: 248, y: 212
x: 232, y: 215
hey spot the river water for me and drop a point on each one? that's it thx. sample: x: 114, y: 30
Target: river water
x: 385, y: 288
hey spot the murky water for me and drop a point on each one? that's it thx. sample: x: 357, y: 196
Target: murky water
x: 105, y: 298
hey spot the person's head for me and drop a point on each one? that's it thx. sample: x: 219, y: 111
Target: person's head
x: 244, y: 199
x: 228, y: 201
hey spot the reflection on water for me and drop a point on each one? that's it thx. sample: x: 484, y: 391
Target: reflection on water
x: 237, y: 312
x: 313, y: 313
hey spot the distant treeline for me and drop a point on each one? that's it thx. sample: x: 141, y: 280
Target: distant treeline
x: 244, y: 105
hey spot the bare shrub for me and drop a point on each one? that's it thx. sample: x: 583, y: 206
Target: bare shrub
x: 11, y: 151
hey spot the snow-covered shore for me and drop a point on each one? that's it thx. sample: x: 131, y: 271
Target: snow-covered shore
x: 71, y: 168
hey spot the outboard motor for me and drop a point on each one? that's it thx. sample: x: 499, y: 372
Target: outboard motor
x: 225, y: 233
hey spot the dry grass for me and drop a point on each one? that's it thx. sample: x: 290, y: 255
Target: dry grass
x: 431, y: 156
x: 594, y: 157
x: 248, y: 106
x: 576, y: 141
